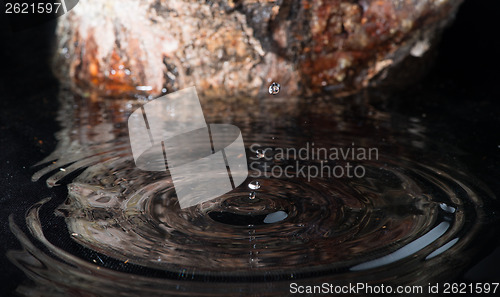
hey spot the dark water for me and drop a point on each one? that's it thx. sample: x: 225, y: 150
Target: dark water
x: 424, y: 211
x: 414, y: 213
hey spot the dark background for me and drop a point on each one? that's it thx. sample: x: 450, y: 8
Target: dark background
x: 460, y: 96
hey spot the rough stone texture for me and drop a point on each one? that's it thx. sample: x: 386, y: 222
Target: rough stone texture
x: 119, y: 48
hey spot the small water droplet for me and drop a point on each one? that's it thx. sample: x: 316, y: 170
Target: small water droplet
x: 113, y: 72
x: 164, y: 90
x: 127, y: 72
x: 260, y: 154
x: 254, y: 185
x: 274, y: 88
x: 251, y: 195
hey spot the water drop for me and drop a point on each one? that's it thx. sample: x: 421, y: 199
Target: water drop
x: 251, y: 195
x: 254, y: 185
x: 274, y: 88
x: 260, y: 154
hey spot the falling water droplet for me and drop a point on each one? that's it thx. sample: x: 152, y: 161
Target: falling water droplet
x: 274, y: 88
x: 251, y: 195
x: 260, y: 154
x: 254, y: 185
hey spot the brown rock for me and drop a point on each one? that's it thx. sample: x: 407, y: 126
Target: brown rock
x: 119, y: 48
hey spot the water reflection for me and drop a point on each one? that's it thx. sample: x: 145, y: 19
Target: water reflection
x: 409, y: 220
x: 407, y: 250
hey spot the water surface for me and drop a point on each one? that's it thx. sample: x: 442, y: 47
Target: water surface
x: 414, y: 217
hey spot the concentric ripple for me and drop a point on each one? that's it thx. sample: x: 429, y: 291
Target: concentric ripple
x: 413, y: 210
